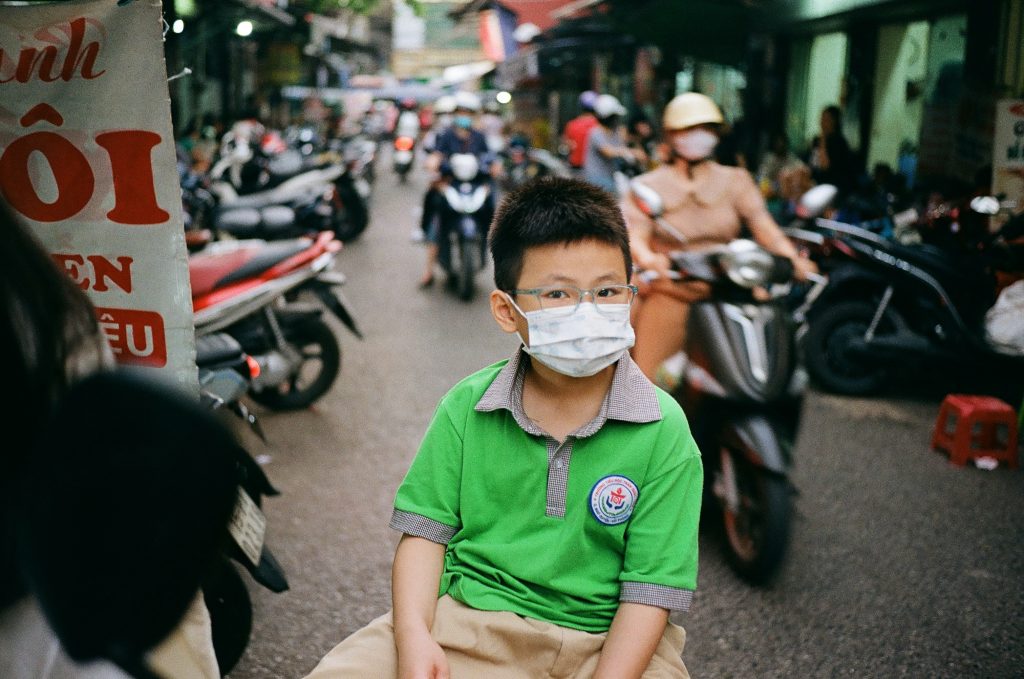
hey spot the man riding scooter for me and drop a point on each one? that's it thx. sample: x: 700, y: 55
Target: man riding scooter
x: 460, y: 137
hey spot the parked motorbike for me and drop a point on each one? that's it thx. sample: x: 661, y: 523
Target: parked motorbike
x: 402, y: 156
x: 253, y: 192
x: 889, y: 307
x: 465, y: 216
x: 741, y: 391
x: 258, y: 292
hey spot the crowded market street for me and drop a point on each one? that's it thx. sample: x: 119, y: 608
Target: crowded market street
x: 900, y: 564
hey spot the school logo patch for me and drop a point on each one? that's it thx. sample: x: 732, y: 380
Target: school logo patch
x: 612, y: 500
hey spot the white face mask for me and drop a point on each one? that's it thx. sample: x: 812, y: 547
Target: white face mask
x: 696, y: 144
x: 582, y: 343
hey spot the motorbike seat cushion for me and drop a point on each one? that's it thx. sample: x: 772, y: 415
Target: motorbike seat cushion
x: 277, y: 217
x: 208, y: 272
x: 238, y: 220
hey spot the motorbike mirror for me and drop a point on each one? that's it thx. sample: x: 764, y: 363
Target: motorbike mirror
x: 986, y: 205
x: 647, y: 199
x: 815, y: 200
x: 746, y: 263
x: 125, y: 508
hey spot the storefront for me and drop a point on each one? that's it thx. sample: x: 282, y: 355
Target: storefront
x: 917, y: 82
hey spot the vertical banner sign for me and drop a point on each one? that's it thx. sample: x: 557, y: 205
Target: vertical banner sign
x: 1008, y: 153
x: 87, y: 159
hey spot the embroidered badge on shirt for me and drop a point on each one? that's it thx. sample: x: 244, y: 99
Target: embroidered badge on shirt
x: 612, y: 500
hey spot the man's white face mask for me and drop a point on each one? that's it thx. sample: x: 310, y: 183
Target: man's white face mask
x: 580, y: 343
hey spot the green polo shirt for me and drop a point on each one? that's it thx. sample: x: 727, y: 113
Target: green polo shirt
x: 558, y: 531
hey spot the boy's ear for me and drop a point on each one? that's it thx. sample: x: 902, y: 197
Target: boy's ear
x: 503, y: 311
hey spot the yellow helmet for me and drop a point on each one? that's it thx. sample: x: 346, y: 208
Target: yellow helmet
x: 689, y: 109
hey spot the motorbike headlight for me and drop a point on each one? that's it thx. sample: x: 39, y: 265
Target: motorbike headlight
x: 746, y: 263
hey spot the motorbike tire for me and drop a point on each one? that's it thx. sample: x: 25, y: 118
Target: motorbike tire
x: 314, y: 339
x: 352, y: 216
x: 825, y: 349
x: 467, y: 274
x: 757, y: 534
x: 227, y: 599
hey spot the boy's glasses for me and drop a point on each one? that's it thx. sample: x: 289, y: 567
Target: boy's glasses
x: 567, y: 298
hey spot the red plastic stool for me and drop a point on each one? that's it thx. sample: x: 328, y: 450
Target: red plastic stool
x: 969, y: 427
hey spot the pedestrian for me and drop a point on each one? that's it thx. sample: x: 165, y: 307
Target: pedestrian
x: 644, y: 139
x: 574, y: 136
x: 606, y: 145
x: 50, y: 334
x: 830, y: 158
x: 550, y: 517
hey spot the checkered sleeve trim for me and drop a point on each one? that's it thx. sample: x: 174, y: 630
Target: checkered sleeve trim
x: 656, y: 595
x: 422, y: 527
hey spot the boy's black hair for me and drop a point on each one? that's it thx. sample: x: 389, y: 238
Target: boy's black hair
x: 553, y: 210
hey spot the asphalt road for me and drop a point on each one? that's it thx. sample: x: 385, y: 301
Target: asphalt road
x: 901, y: 565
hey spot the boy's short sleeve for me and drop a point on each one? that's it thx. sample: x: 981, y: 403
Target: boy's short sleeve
x: 427, y: 502
x: 660, y: 565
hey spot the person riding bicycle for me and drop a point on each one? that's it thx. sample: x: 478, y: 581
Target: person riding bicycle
x: 461, y: 137
x: 706, y: 203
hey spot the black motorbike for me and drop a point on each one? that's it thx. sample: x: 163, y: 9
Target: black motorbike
x: 741, y: 391
x: 890, y: 307
x: 465, y: 213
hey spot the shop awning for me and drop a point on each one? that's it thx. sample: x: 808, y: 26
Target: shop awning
x: 460, y: 73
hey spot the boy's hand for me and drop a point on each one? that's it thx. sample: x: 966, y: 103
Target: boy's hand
x: 420, y: 657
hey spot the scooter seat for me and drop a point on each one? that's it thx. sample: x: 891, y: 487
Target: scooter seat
x: 252, y: 222
x: 208, y: 272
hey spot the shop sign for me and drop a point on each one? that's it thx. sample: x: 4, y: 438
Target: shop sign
x: 1008, y: 152
x: 87, y: 159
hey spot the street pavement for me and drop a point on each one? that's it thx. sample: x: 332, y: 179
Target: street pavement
x: 900, y: 565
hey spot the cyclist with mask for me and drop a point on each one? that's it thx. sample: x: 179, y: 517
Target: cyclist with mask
x: 706, y: 203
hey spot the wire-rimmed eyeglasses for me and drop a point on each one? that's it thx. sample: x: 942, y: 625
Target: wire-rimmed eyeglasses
x: 567, y: 298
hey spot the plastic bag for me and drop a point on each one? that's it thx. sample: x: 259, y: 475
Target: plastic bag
x: 1004, y: 322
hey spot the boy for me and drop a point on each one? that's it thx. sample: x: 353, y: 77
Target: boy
x: 554, y: 502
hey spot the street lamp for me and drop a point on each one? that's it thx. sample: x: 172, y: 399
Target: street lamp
x: 178, y: 26
x: 244, y: 28
x: 503, y: 97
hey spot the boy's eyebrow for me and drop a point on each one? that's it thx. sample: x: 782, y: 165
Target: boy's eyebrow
x: 559, y: 278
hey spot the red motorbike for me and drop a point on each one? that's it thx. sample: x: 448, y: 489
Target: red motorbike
x: 271, y: 297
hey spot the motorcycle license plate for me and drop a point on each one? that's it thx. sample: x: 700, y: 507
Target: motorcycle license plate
x: 403, y: 157
x: 248, y: 527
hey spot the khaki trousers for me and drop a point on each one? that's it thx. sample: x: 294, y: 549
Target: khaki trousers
x: 492, y: 645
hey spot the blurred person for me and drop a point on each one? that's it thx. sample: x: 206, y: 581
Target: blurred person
x: 461, y: 137
x: 48, y: 327
x: 519, y: 167
x: 777, y: 159
x: 707, y: 203
x: 408, y: 124
x: 642, y: 137
x: 576, y: 131
x: 606, y: 145
x: 492, y: 126
x: 830, y: 158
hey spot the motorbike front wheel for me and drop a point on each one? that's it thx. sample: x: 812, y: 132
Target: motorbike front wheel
x: 467, y: 274
x: 313, y: 377
x: 756, y: 508
x: 827, y: 353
